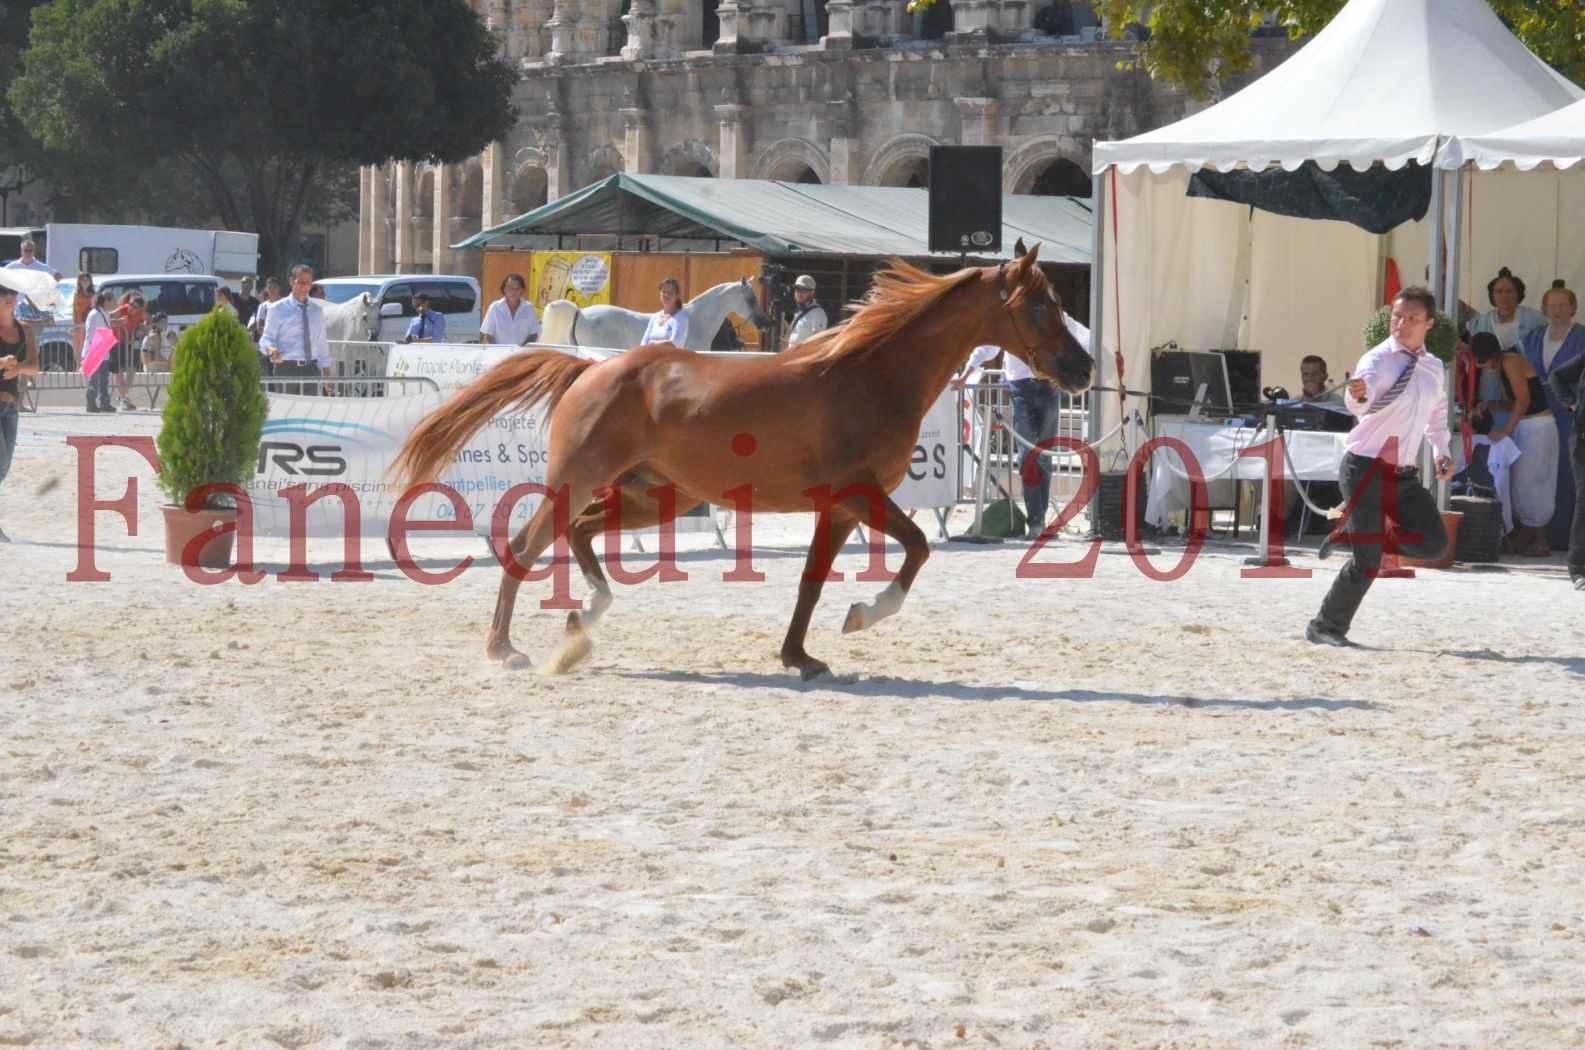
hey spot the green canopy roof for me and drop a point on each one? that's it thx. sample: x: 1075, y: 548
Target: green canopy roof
x: 786, y: 218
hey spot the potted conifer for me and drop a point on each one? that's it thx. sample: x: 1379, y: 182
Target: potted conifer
x: 209, y: 434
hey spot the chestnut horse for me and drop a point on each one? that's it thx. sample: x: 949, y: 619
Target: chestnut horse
x: 842, y: 409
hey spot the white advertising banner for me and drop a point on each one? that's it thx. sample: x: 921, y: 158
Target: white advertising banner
x: 319, y: 441
x: 932, y: 477
x: 315, y: 442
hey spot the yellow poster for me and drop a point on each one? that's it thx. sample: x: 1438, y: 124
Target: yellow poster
x: 582, y: 277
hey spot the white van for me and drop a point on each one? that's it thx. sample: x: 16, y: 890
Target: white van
x: 454, y: 296
x: 185, y: 298
x: 101, y: 248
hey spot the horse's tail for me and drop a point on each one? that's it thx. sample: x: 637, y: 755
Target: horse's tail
x: 560, y: 323
x: 519, y: 382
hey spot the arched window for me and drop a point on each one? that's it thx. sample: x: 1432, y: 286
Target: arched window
x: 1060, y: 178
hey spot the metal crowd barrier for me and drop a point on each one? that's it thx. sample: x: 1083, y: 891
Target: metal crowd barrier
x: 992, y: 454
x: 348, y: 386
x: 58, y: 363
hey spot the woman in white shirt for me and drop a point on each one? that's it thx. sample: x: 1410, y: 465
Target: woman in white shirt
x: 99, y: 382
x: 670, y: 323
x: 511, y: 319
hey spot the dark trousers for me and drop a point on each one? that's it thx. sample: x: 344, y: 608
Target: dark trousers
x: 1035, y: 413
x: 99, y: 387
x: 1417, y: 531
x: 8, y: 436
x: 300, y: 373
x: 1576, y: 537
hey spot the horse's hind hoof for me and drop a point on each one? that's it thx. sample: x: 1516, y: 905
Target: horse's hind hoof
x: 574, y: 623
x: 516, y: 661
x: 574, y: 650
x: 855, y: 619
x: 814, y: 669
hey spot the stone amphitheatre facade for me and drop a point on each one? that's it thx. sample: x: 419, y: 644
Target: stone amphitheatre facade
x: 800, y: 90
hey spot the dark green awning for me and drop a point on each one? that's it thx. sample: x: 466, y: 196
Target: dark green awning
x: 786, y: 218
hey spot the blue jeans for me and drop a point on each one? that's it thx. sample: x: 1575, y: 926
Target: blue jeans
x: 99, y: 387
x: 8, y: 436
x: 1034, y: 420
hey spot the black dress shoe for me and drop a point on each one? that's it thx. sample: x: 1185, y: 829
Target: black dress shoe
x: 1318, y: 635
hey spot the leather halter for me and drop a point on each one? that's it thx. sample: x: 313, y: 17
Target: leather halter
x: 1003, y: 294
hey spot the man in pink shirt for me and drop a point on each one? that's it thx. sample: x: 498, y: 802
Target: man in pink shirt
x: 1398, y: 395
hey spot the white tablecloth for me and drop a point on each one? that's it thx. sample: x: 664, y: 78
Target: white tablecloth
x: 1316, y: 456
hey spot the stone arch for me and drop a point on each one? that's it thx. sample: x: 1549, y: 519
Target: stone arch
x: 903, y: 161
x: 1046, y: 166
x: 424, y: 215
x: 424, y: 192
x: 689, y: 158
x: 792, y: 160
x: 529, y: 189
x: 469, y: 202
x: 602, y: 163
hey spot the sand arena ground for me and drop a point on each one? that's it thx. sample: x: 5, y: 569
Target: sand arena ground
x: 1095, y: 813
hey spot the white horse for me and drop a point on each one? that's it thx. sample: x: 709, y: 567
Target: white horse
x: 357, y: 320
x: 616, y: 328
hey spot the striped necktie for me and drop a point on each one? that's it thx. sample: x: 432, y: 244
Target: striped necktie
x: 1398, y: 387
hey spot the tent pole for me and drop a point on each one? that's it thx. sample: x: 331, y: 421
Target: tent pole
x: 1434, y: 259
x: 1455, y: 248
x: 1092, y: 423
x: 1455, y: 262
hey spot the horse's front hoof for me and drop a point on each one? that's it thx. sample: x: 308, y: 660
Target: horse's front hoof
x: 516, y: 661
x: 855, y: 619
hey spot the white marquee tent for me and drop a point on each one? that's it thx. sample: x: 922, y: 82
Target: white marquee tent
x: 1558, y: 139
x: 1387, y: 81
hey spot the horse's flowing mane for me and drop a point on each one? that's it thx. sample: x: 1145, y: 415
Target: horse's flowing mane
x: 899, y: 294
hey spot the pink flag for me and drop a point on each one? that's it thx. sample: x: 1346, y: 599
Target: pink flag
x: 95, y: 353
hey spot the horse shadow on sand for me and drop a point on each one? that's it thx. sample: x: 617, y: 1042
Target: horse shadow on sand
x: 889, y: 687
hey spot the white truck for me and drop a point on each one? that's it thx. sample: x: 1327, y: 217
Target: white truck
x: 103, y: 250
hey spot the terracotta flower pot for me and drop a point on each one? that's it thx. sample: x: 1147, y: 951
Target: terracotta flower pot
x: 1450, y: 521
x: 183, y: 526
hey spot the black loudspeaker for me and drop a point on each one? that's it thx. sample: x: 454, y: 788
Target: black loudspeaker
x: 966, y: 199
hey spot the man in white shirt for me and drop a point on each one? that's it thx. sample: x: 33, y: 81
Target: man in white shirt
x: 30, y: 261
x: 1398, y: 394
x: 809, y: 316
x: 511, y: 319
x: 1036, y: 409
x: 26, y: 311
x: 294, y: 336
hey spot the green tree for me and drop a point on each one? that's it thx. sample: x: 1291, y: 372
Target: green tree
x: 21, y: 158
x: 258, y: 104
x: 1193, y: 42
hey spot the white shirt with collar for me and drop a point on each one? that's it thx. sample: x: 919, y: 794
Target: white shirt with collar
x: 1419, y: 413
x: 503, y: 326
x: 283, y: 331
x: 1013, y: 368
